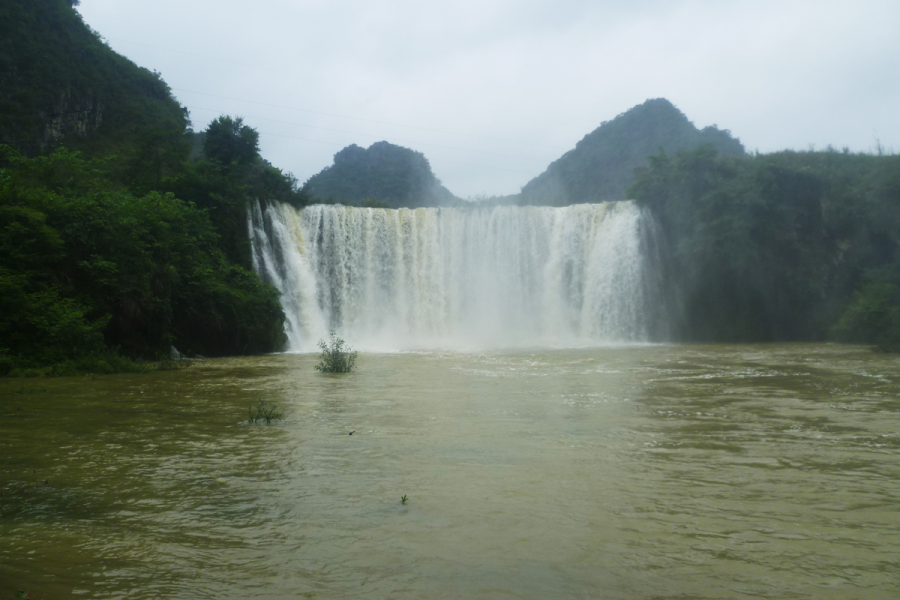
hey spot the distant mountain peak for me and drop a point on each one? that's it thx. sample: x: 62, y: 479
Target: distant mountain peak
x: 383, y: 174
x: 602, y: 164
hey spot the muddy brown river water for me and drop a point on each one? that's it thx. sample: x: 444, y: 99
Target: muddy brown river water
x: 768, y: 471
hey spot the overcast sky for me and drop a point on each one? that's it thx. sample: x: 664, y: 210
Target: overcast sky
x: 492, y: 91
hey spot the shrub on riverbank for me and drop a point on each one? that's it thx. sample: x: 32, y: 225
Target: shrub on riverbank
x: 97, y: 364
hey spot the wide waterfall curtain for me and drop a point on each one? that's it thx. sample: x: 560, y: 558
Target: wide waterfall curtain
x: 450, y: 277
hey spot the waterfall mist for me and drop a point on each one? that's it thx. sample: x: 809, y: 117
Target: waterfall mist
x: 461, y: 277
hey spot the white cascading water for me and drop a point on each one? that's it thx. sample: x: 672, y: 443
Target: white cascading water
x: 459, y: 277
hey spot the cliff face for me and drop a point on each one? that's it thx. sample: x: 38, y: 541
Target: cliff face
x: 60, y: 83
x: 602, y: 164
x: 72, y: 116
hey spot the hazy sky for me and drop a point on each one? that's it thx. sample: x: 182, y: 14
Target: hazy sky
x: 492, y: 91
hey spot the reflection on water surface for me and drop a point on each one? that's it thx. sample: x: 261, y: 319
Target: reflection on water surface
x: 641, y: 472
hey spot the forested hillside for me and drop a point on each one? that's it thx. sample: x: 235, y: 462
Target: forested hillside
x: 381, y: 175
x: 59, y: 82
x: 602, y: 164
x: 114, y: 244
x: 785, y: 246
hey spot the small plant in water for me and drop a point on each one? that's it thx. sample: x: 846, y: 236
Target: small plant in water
x: 403, y: 499
x: 335, y: 357
x: 265, y: 411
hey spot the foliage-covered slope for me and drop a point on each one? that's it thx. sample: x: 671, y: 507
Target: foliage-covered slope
x: 124, y: 256
x: 60, y: 83
x: 87, y: 268
x: 382, y: 175
x: 786, y: 246
x: 602, y: 164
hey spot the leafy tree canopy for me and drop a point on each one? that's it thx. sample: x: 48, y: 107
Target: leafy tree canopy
x: 87, y: 267
x: 229, y: 140
x: 784, y: 246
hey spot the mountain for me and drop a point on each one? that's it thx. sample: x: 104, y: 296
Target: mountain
x: 60, y: 83
x: 602, y: 164
x: 381, y: 175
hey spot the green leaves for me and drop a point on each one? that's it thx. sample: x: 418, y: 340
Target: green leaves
x: 41, y: 327
x: 873, y: 316
x: 335, y: 356
x: 229, y: 141
x: 774, y: 247
x: 82, y: 263
x: 90, y: 247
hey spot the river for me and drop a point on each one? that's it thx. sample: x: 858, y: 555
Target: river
x: 643, y: 471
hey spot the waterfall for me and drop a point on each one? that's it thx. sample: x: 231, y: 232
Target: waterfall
x: 460, y: 277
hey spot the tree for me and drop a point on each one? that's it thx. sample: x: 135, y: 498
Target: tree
x: 230, y: 141
x: 158, y: 153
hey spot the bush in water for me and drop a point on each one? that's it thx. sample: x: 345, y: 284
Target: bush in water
x: 265, y: 411
x: 335, y: 356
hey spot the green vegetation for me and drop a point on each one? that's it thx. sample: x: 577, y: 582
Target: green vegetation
x: 264, y: 410
x: 335, y: 357
x: 786, y: 246
x: 873, y: 315
x: 87, y: 267
x: 226, y: 175
x: 403, y: 499
x: 122, y: 232
x: 602, y: 164
x: 382, y: 176
x: 61, y: 83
